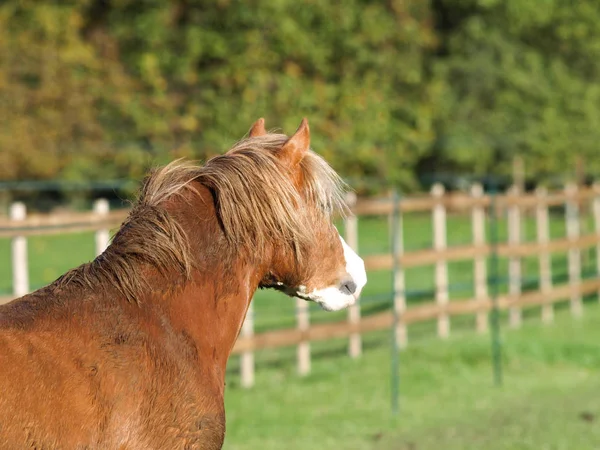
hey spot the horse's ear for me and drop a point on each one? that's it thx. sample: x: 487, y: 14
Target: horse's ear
x: 296, y: 147
x: 258, y: 129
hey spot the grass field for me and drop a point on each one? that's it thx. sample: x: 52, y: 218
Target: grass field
x: 549, y: 399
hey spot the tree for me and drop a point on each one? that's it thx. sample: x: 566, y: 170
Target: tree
x: 138, y: 81
x: 522, y: 79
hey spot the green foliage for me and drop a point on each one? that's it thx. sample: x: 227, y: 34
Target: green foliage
x: 522, y: 79
x: 96, y: 89
x: 133, y: 82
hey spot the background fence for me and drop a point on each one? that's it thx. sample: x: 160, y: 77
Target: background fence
x: 517, y: 212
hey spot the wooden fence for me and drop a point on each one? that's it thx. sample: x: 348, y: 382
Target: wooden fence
x: 441, y: 309
x: 18, y: 227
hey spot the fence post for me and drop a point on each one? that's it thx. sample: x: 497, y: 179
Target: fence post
x: 514, y: 262
x: 303, y: 353
x: 247, y: 358
x: 401, y: 332
x: 596, y: 210
x: 573, y: 232
x: 18, y: 212
x: 441, y: 266
x: 102, y: 237
x: 480, y: 275
x: 494, y: 289
x: 543, y: 237
x: 351, y: 232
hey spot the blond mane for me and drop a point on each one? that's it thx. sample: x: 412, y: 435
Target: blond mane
x: 256, y: 202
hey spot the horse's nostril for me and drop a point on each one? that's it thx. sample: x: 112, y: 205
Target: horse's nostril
x: 348, y: 287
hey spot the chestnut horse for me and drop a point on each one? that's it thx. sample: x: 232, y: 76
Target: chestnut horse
x: 129, y: 351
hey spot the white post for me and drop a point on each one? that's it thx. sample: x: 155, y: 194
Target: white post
x: 481, y: 292
x: 596, y: 210
x: 101, y: 208
x: 573, y: 232
x: 247, y: 358
x: 400, y: 281
x: 441, y: 266
x: 514, y: 262
x: 543, y: 238
x: 303, y: 353
x: 18, y: 212
x: 351, y: 232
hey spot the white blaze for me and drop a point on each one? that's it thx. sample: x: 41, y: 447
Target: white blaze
x: 331, y: 298
x: 355, y: 267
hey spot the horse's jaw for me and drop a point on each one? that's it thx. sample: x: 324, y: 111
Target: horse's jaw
x: 335, y: 298
x: 330, y: 298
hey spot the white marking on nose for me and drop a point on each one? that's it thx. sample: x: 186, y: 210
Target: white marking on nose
x: 334, y: 298
x: 355, y: 267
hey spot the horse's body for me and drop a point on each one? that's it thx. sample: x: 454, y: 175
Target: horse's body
x: 130, y: 350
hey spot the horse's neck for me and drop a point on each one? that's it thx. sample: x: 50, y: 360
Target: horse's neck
x: 213, y: 304
x: 210, y: 310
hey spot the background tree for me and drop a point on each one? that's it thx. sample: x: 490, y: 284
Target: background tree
x: 521, y: 78
x: 99, y: 89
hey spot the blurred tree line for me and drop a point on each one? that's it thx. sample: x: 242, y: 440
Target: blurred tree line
x: 100, y: 89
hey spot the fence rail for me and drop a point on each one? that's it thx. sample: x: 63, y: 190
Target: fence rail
x: 462, y: 201
x: 39, y: 225
x: 420, y: 313
x: 515, y: 205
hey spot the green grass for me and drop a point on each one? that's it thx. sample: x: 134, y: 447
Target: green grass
x: 549, y: 399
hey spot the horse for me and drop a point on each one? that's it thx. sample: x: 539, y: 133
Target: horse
x: 129, y: 351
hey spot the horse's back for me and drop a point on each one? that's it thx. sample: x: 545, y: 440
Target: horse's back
x: 81, y: 376
x: 42, y: 380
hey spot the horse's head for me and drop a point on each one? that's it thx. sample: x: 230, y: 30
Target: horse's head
x: 320, y: 266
